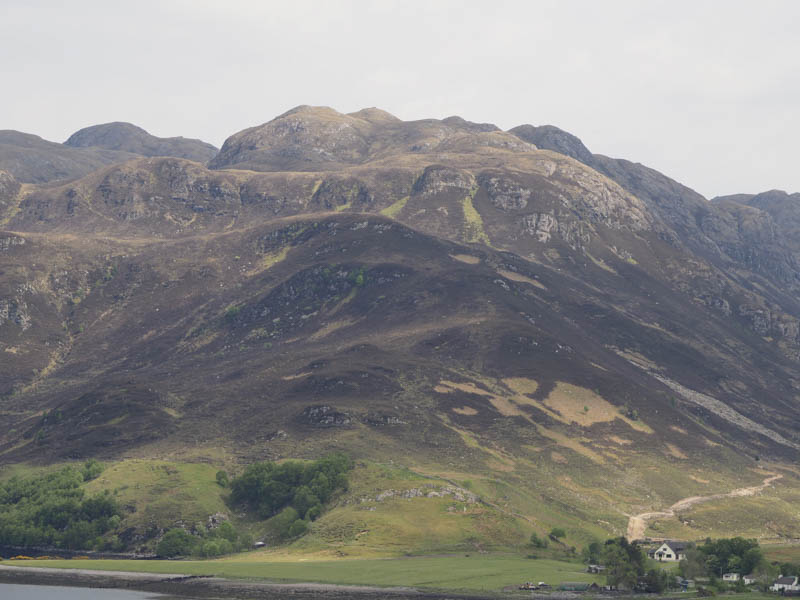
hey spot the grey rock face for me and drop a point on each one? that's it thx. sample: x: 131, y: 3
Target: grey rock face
x: 16, y: 312
x: 325, y: 416
x: 505, y: 193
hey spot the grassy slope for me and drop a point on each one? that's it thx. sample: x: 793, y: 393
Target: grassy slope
x: 773, y: 515
x: 160, y: 494
x: 163, y: 492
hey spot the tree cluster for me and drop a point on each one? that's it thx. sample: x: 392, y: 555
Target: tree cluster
x: 625, y: 563
x: 53, y: 510
x: 290, y: 494
x: 726, y: 555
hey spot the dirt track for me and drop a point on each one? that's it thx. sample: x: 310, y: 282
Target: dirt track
x: 637, y: 524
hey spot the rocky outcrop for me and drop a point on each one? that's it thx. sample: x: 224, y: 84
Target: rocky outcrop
x: 324, y: 416
x: 15, y: 311
x: 437, y: 179
x: 428, y: 491
x: 9, y: 241
x: 9, y: 189
x: 505, y: 193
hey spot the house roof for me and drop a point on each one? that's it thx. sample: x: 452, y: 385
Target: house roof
x: 676, y: 546
x: 789, y: 580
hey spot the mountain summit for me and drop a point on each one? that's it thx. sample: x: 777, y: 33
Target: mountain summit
x: 130, y: 138
x: 316, y: 138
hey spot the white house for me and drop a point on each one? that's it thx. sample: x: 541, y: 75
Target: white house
x: 749, y: 579
x: 731, y: 577
x: 670, y: 551
x: 789, y: 584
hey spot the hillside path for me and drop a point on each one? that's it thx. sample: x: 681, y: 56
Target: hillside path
x: 637, y: 524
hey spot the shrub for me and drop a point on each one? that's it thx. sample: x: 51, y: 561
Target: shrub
x: 298, y: 528
x: 226, y: 531
x: 538, y: 542
x: 91, y: 470
x: 280, y: 524
x: 176, y: 542
x: 222, y: 479
x: 557, y: 532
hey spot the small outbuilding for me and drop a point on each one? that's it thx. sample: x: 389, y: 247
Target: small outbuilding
x: 731, y: 577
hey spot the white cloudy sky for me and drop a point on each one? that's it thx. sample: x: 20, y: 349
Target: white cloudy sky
x: 706, y: 91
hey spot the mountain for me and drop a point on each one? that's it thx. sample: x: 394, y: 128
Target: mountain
x: 580, y: 337
x: 126, y: 137
x: 30, y: 159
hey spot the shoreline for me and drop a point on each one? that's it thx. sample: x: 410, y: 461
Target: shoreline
x: 204, y: 586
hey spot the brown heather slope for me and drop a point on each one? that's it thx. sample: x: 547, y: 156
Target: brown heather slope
x: 430, y: 293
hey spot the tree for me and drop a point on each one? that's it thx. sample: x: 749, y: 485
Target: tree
x: 592, y: 553
x: 538, y: 542
x: 78, y: 535
x: 693, y: 565
x: 222, y: 479
x: 226, y: 531
x: 624, y: 563
x: 91, y: 470
x: 304, y: 500
x: 176, y: 542
x: 557, y: 532
x: 656, y: 581
x: 298, y: 528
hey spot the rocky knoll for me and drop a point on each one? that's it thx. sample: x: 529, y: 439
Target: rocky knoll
x: 126, y: 137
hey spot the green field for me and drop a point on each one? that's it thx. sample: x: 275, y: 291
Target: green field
x: 473, y: 572
x: 782, y: 552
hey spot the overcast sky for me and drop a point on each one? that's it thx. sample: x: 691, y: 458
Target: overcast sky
x: 707, y: 92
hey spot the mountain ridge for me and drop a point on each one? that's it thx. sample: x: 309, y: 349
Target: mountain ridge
x: 436, y: 292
